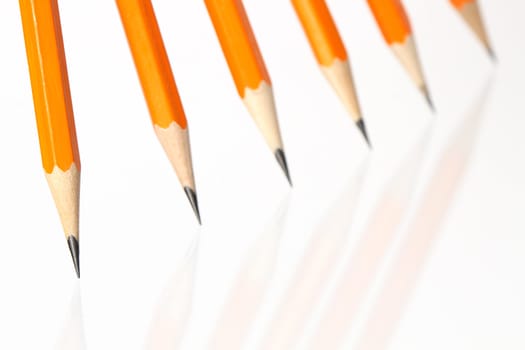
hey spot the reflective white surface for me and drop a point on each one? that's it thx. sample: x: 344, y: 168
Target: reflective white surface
x: 72, y: 334
x: 415, y: 245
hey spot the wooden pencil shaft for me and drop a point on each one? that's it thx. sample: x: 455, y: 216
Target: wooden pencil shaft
x: 261, y: 106
x: 65, y: 189
x: 321, y: 31
x: 238, y: 44
x: 407, y: 54
x: 394, y: 24
x: 460, y: 3
x: 158, y: 85
x: 49, y: 83
x: 152, y: 62
x: 328, y: 47
x: 471, y: 14
x: 340, y: 78
x: 53, y: 107
x: 391, y: 19
x: 246, y: 65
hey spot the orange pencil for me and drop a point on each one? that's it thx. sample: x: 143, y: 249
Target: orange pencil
x: 330, y: 53
x: 54, y: 112
x: 248, y: 70
x: 159, y: 88
x: 469, y: 10
x: 395, y: 27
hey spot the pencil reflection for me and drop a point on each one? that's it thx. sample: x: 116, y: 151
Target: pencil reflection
x: 170, y: 317
x: 72, y: 334
x: 246, y: 296
x: 378, y: 235
x: 421, y: 232
x: 319, y: 260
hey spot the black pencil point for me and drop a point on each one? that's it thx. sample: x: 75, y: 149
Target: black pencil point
x: 425, y: 92
x: 192, y: 197
x: 492, y: 54
x: 281, y: 159
x: 361, y: 125
x: 72, y: 242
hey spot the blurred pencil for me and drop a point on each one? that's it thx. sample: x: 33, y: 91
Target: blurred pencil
x: 54, y: 112
x: 330, y: 53
x: 469, y: 10
x: 395, y: 27
x: 248, y: 70
x: 160, y: 90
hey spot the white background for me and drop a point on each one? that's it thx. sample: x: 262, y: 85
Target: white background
x: 435, y: 270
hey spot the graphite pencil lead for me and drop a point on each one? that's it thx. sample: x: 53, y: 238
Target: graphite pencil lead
x: 492, y: 55
x: 281, y: 159
x: 361, y: 125
x: 192, y: 197
x: 425, y: 92
x: 72, y: 242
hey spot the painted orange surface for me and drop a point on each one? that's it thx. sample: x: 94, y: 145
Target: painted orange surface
x: 238, y: 43
x: 50, y: 84
x: 459, y: 3
x: 392, y: 20
x: 151, y: 62
x: 321, y: 31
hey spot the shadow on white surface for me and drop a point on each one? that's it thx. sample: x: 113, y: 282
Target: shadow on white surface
x: 421, y: 231
x: 321, y: 256
x: 170, y: 317
x: 72, y: 334
x: 246, y: 296
x: 378, y: 236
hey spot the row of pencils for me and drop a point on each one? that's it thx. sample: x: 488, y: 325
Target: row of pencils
x: 54, y: 109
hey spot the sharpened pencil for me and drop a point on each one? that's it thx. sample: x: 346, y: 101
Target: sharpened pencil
x: 394, y: 24
x: 248, y: 70
x: 470, y: 11
x: 331, y: 55
x: 54, y: 112
x: 160, y: 90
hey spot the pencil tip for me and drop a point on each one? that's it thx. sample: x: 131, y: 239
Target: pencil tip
x: 281, y: 159
x: 192, y: 197
x: 492, y: 55
x: 72, y: 242
x: 361, y: 125
x: 426, y: 93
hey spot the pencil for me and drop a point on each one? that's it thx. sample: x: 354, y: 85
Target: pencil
x: 397, y: 32
x: 248, y: 70
x: 54, y: 112
x: 469, y: 10
x: 331, y: 55
x: 160, y: 90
